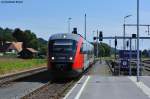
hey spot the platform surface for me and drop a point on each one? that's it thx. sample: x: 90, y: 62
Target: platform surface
x: 100, y: 87
x: 94, y: 86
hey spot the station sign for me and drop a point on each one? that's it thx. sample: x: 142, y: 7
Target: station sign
x: 124, y: 63
x: 125, y: 54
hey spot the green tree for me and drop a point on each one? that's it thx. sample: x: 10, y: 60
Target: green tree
x: 145, y: 53
x: 103, y: 48
x: 20, y: 36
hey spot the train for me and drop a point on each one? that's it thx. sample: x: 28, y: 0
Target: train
x: 69, y: 54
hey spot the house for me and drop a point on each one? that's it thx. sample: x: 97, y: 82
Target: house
x: 15, y: 47
x: 28, y: 53
x: 11, y: 47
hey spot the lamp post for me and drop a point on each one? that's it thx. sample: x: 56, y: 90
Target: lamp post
x: 124, y: 32
x: 69, y: 24
x: 138, y: 55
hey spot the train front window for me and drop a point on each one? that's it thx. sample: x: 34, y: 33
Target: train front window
x: 61, y: 46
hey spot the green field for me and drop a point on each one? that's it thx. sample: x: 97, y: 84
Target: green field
x: 15, y: 65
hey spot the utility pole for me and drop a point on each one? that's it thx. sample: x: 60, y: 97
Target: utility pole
x: 115, y: 46
x: 124, y: 35
x: 97, y: 45
x: 138, y: 55
x: 130, y: 71
x: 110, y: 47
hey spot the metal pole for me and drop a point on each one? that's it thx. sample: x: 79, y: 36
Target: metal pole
x: 138, y: 61
x: 85, y: 27
x: 130, y: 57
x: 135, y: 44
x: 69, y: 24
x: 110, y: 47
x: 94, y: 45
x: 148, y: 30
x: 124, y: 31
x: 100, y: 53
x: 115, y: 48
x: 124, y: 35
x: 97, y: 45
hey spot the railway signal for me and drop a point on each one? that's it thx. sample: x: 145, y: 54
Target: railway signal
x: 133, y: 35
x: 94, y: 38
x: 100, y: 36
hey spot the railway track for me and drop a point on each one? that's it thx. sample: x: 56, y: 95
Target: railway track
x: 108, y: 62
x: 146, y: 64
x: 54, y: 89
x: 11, y: 77
x: 51, y: 90
x: 17, y: 85
x: 36, y: 83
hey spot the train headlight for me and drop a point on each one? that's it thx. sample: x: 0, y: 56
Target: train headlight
x: 52, y: 58
x: 70, y: 58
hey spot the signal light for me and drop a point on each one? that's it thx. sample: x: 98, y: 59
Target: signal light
x: 100, y: 36
x: 74, y: 30
x: 94, y: 38
x: 133, y: 35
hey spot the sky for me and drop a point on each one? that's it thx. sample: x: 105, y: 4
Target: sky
x: 47, y: 17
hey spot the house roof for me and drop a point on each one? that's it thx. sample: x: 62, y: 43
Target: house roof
x: 16, y: 45
x: 32, y: 50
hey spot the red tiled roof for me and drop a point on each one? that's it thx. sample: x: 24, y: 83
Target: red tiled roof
x: 16, y: 45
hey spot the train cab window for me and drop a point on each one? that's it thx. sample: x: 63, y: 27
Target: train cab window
x: 62, y: 46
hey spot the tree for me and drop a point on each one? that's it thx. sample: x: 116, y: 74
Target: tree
x: 43, y: 46
x: 20, y: 37
x: 33, y: 44
x: 145, y: 53
x: 106, y: 48
x: 28, y: 38
x: 103, y: 49
x: 6, y: 35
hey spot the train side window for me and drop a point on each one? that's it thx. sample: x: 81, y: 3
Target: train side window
x: 81, y: 49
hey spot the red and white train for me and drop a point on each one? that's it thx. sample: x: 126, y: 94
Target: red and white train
x: 69, y: 54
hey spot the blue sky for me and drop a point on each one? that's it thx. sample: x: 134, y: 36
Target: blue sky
x: 47, y: 17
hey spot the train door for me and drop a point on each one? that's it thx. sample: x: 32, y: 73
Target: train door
x: 85, y: 50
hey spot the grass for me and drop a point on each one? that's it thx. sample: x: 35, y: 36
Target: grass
x: 14, y: 65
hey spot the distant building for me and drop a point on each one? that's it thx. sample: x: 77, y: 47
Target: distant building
x: 11, y: 47
x: 28, y: 53
x: 16, y: 48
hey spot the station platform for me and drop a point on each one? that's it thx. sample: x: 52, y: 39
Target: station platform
x: 110, y: 87
x: 96, y: 87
